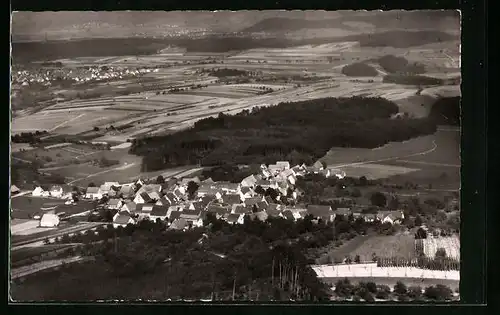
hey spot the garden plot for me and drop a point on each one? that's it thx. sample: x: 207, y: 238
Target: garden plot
x: 450, y: 244
x: 402, y: 246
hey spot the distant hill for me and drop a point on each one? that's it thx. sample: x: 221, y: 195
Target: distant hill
x: 439, y: 20
x: 401, y: 38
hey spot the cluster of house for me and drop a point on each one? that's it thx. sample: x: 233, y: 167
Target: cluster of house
x: 46, y: 76
x: 172, y: 202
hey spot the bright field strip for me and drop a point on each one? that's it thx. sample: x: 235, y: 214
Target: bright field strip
x: 450, y: 244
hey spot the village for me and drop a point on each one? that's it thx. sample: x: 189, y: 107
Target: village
x: 185, y: 203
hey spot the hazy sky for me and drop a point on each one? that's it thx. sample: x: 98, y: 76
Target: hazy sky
x: 78, y: 23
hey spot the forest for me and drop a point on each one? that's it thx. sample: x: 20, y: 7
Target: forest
x: 300, y: 132
x: 446, y: 111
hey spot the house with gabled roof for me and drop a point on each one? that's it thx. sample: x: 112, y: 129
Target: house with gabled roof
x: 392, y: 217
x: 249, y: 181
x: 158, y: 212
x: 149, y: 188
x: 173, y: 214
x: 127, y: 191
x: 321, y: 212
x: 265, y: 184
x: 285, y: 165
x: 343, y: 211
x: 242, y: 209
x: 163, y: 201
x: 179, y: 192
x: 208, y: 181
x: 114, y: 203
x: 93, y: 193
x: 318, y: 165
x: 261, y: 215
x: 37, y: 192
x: 287, y: 175
x: 227, y: 187
x: 246, y: 192
x: 206, y: 189
x: 14, y: 190
x: 196, y: 205
x: 254, y: 201
x: 179, y: 225
x: 193, y: 217
x: 234, y: 218
x: 56, y: 191
x: 154, y: 195
x: 122, y: 219
x: 142, y: 198
x: 217, y: 210
x: 231, y: 199
x: 129, y: 207
x: 49, y: 220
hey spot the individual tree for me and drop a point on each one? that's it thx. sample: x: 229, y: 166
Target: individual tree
x: 357, y: 259
x: 400, y: 288
x: 420, y: 234
x: 363, y: 181
x: 96, y: 128
x: 91, y: 184
x: 371, y: 287
x: 414, y: 292
x: 393, y: 203
x: 383, y: 292
x: 438, y: 293
x: 378, y: 199
x: 440, y: 253
x: 160, y: 179
x: 192, y: 188
x: 418, y: 221
x: 259, y: 190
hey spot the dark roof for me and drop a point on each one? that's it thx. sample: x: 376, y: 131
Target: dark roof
x: 240, y: 209
x: 261, y: 205
x: 319, y: 211
x: 159, y: 211
x: 343, y: 211
x: 164, y: 201
x: 92, y: 190
x: 190, y: 214
x: 245, y: 190
x: 122, y: 218
x: 233, y: 217
x: 175, y: 215
x: 217, y: 209
x: 145, y: 196
x: 253, y: 201
x: 199, y: 205
x: 171, y: 196
x: 288, y: 214
x: 231, y: 199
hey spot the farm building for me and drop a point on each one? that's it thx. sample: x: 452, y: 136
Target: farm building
x: 122, y: 219
x: 93, y: 193
x: 56, y: 191
x: 49, y: 220
x: 14, y: 190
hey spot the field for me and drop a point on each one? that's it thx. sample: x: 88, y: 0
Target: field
x: 382, y: 246
x: 422, y: 160
x: 25, y: 207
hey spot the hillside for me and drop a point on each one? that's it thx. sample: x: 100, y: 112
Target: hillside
x: 380, y: 20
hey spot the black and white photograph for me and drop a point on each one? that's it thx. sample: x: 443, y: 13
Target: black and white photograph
x: 235, y: 156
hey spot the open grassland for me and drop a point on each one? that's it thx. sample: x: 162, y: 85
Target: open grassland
x: 382, y: 246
